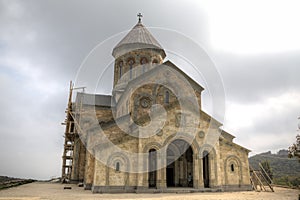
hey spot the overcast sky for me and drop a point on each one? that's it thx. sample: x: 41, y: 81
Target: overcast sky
x: 255, y: 46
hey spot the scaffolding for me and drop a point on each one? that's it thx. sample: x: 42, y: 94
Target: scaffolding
x: 67, y: 158
x: 71, y: 135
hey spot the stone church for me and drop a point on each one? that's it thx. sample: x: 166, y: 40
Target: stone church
x: 151, y: 134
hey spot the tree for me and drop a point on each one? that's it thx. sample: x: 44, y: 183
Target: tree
x: 266, y: 165
x: 294, y: 150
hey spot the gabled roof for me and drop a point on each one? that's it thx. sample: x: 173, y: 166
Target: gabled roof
x: 192, y: 81
x: 227, y: 135
x: 158, y: 67
x: 138, y: 38
x: 152, y: 72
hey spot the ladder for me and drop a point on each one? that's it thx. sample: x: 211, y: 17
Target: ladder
x: 260, y: 180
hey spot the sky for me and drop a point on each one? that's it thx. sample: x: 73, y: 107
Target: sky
x: 255, y: 46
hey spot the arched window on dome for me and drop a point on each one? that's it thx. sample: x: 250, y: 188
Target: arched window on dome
x: 120, y: 69
x: 155, y: 62
x: 143, y: 62
x: 130, y: 63
x: 167, y: 97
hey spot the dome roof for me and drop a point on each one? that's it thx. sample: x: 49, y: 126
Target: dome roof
x: 138, y: 38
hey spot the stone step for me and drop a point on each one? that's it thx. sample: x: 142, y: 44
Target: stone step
x: 178, y: 190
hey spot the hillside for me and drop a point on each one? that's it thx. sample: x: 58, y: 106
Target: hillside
x: 7, y: 182
x: 285, y: 170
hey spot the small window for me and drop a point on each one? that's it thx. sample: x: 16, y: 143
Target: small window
x: 117, y: 167
x: 232, y: 167
x: 167, y: 97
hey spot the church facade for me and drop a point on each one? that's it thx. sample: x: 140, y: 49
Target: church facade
x: 151, y: 133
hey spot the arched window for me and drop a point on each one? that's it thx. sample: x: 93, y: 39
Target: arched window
x: 130, y: 63
x: 155, y: 61
x: 167, y: 97
x: 143, y: 62
x: 117, y: 166
x: 120, y: 68
x: 232, y: 167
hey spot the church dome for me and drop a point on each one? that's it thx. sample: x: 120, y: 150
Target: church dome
x: 138, y: 38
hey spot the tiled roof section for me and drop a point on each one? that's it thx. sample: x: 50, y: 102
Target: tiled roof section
x: 94, y: 99
x: 138, y: 38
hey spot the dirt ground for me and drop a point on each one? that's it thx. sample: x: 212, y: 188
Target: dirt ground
x: 55, y: 191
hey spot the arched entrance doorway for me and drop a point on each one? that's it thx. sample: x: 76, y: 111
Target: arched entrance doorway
x: 152, y: 168
x: 205, y: 169
x: 179, y: 168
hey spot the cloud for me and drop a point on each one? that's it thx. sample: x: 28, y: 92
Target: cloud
x: 253, y: 78
x: 30, y: 131
x: 270, y: 123
x: 246, y: 28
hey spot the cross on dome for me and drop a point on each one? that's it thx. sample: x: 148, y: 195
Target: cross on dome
x: 140, y: 17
